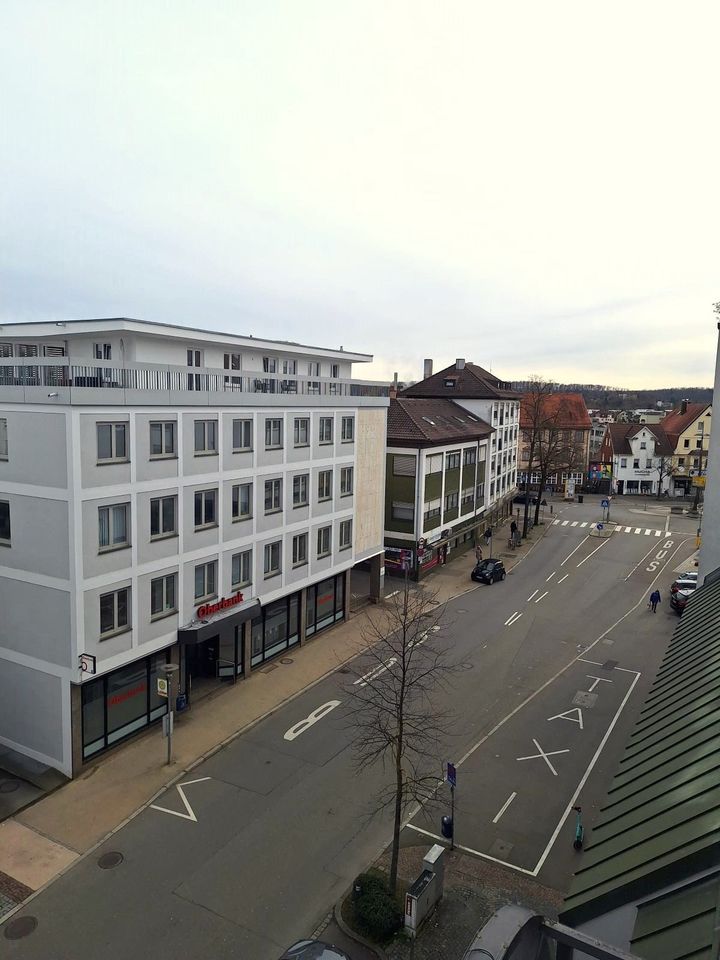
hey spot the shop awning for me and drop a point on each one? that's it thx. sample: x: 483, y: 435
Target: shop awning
x: 203, y: 630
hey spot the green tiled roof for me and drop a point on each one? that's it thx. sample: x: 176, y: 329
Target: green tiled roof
x: 679, y: 924
x: 661, y: 821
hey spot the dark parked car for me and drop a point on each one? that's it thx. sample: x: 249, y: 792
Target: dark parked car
x: 522, y: 497
x: 313, y: 950
x: 488, y: 571
x: 679, y: 599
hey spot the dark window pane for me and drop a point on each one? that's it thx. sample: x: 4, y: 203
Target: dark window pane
x: 104, y: 441
x: 120, y: 447
x: 170, y: 592
x: 198, y: 509
x: 156, y: 439
x: 122, y: 608
x: 169, y: 438
x: 107, y: 612
x: 168, y: 511
x: 4, y: 521
x: 154, y: 518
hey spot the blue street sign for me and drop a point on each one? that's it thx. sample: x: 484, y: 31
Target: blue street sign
x: 451, y: 774
x: 604, y: 503
x: 600, y: 526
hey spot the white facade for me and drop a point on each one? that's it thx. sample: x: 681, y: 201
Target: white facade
x: 148, y: 471
x: 504, y: 417
x: 639, y: 470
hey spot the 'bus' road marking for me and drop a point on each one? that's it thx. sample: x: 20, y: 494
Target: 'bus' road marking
x: 541, y: 596
x: 531, y: 596
x: 551, y: 576
x: 544, y: 755
x: 504, y: 807
x: 311, y: 719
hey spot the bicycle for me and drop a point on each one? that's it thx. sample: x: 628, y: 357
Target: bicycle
x: 579, y: 829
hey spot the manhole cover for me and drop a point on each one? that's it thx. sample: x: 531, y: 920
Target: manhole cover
x: 109, y: 860
x: 287, y: 660
x: 344, y: 670
x: 20, y: 927
x: 501, y: 848
x: 610, y: 664
x: 461, y: 610
x: 584, y: 699
x: 9, y: 786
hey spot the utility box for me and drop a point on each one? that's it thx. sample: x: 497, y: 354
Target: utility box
x: 425, y: 892
x: 434, y: 860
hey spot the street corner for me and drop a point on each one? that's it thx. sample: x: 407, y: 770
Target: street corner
x: 30, y: 859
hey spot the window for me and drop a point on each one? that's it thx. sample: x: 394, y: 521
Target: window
x: 302, y: 431
x: 242, y: 568
x: 242, y: 501
x: 299, y: 548
x: 404, y: 465
x: 346, y: 481
x: 434, y: 463
x: 469, y: 457
x: 643, y: 445
x: 623, y: 461
x: 289, y: 366
x: 300, y: 490
x: 324, y: 539
x: 468, y: 496
x: 114, y: 612
x: 111, y: 442
x: 163, y: 596
x: 345, y: 534
x: 431, y: 509
x: 102, y: 351
x: 206, y: 580
x: 686, y: 444
x: 579, y: 436
x: 113, y: 527
x: 452, y: 460
x: 232, y: 361
x: 348, y: 429
x: 335, y: 370
x: 313, y: 368
x: 4, y: 521
x: 326, y: 429
x: 163, y: 515
x: 696, y: 462
x: 451, y: 501
x: 269, y: 364
x: 272, y: 558
x: 3, y: 439
x: 205, y: 437
x: 273, y: 496
x: 205, y: 508
x: 162, y: 438
x: 325, y: 485
x: 450, y: 385
x: 242, y: 435
x: 403, y: 511
x: 681, y: 461
x: 649, y: 463
x: 636, y: 464
x: 273, y: 434
x: 194, y: 359
x: 480, y: 493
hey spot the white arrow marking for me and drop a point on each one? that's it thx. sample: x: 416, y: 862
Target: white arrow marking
x: 311, y: 719
x: 566, y: 716
x: 189, y: 814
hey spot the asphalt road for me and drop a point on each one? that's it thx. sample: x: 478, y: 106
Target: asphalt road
x: 260, y: 840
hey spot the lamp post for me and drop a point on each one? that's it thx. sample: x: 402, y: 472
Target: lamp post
x: 169, y: 669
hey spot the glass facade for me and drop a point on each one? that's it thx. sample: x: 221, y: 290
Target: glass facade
x: 121, y: 702
x: 276, y: 628
x: 325, y: 604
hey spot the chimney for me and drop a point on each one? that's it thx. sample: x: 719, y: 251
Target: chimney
x: 460, y: 363
x: 427, y: 369
x: 683, y: 406
x: 393, y: 387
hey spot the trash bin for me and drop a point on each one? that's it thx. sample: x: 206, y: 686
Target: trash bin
x: 580, y: 498
x: 181, y: 702
x: 446, y: 827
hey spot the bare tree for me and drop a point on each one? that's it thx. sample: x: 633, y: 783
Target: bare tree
x: 394, y: 714
x: 534, y: 431
x: 663, y: 469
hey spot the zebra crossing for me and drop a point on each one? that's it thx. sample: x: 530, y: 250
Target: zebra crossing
x: 619, y: 528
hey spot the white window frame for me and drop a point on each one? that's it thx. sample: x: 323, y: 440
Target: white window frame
x: 243, y: 562
x: 301, y: 487
x: 274, y: 489
x: 272, y: 559
x: 161, y: 531
x: 404, y: 511
x: 166, y: 608
x: 345, y: 535
x: 237, y: 501
x: 346, y: 481
x: 325, y: 485
x: 206, y: 496
x: 109, y: 513
x: 167, y: 450
x: 335, y: 370
x: 6, y: 540
x: 208, y: 438
x: 116, y: 428
x: 325, y: 430
x: 4, y: 450
x: 117, y: 627
x: 209, y: 580
x: 300, y: 550
x: 270, y: 364
x: 324, y: 542
x: 348, y: 430
x: 243, y: 426
x: 273, y: 433
x: 302, y: 431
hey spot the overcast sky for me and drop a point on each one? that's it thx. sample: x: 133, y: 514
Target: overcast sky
x: 531, y: 186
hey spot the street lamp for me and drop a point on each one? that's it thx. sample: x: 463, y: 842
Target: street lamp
x: 169, y: 669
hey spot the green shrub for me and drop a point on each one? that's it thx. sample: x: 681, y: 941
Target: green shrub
x: 376, y: 911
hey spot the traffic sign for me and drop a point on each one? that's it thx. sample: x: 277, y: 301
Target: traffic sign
x: 605, y: 503
x: 162, y: 687
x: 451, y: 774
x: 600, y: 526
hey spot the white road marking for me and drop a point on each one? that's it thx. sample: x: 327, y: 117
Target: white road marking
x: 574, y: 523
x: 594, y: 551
x: 541, y: 596
x: 595, y: 663
x: 639, y: 562
x: 555, y: 522
x: 563, y: 578
x: 667, y: 526
x: 513, y: 619
x: 574, y: 551
x: 566, y: 716
x: 638, y: 529
x: 584, y: 523
x: 531, y: 596
x: 311, y: 719
x: 628, y: 529
x: 189, y: 812
x: 544, y: 755
x: 647, y: 532
x: 510, y: 618
x: 597, y: 681
x: 564, y: 523
x: 504, y: 807
x: 475, y: 853
x: 551, y: 576
x: 658, y: 533
x: 375, y: 672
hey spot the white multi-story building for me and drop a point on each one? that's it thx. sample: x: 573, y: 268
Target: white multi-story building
x: 641, y: 458
x: 169, y: 495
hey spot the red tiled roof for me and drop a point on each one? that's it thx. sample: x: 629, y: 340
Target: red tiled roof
x: 471, y: 382
x: 565, y: 411
x: 620, y: 434
x: 420, y: 422
x: 675, y: 422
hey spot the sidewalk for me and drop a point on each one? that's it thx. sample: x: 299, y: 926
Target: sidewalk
x: 41, y: 841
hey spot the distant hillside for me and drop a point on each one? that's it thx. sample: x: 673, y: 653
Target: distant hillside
x: 621, y: 398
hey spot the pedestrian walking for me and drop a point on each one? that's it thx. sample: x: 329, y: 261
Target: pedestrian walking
x: 488, y: 536
x: 655, y: 599
x: 478, y: 553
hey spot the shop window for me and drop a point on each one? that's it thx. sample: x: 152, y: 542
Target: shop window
x: 325, y: 604
x: 275, y: 629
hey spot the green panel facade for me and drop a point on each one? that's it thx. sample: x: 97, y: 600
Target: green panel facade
x: 399, y: 490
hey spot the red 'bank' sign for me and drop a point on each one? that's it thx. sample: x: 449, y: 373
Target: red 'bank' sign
x: 225, y: 603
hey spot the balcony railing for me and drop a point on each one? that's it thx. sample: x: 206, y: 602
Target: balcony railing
x: 58, y: 373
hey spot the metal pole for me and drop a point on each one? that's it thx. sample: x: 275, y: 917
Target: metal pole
x: 452, y: 816
x: 170, y: 718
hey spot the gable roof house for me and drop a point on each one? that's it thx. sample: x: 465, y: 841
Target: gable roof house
x: 688, y: 428
x: 564, y: 426
x: 641, y: 457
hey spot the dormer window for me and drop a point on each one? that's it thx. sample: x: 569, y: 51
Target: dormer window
x: 449, y: 383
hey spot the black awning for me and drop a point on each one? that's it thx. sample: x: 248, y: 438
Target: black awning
x: 205, y: 629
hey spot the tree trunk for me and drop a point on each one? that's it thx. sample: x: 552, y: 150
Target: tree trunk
x: 396, y: 825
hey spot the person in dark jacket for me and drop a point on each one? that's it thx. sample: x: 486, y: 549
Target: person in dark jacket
x: 655, y: 599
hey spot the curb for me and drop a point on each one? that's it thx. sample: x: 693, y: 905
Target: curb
x: 349, y: 932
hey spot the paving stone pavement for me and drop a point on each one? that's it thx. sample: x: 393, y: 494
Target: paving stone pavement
x: 12, y: 892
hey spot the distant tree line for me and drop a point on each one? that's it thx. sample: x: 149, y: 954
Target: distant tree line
x: 622, y: 398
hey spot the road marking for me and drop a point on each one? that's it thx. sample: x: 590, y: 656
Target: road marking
x: 638, y: 529
x: 555, y: 522
x: 667, y: 526
x: 596, y: 663
x: 574, y: 523
x: 541, y: 596
x: 639, y: 562
x: 597, y: 680
x: 574, y: 551
x: 594, y: 551
x: 563, y: 578
x: 504, y: 807
x: 189, y: 812
x: 513, y: 619
x: 564, y: 523
x: 628, y: 529
x: 584, y: 523
x: 475, y: 853
x: 375, y: 672
x: 658, y: 533
x: 647, y: 532
x: 551, y: 576
x: 531, y: 596
x: 544, y: 755
x: 566, y: 716
x: 510, y: 618
x: 311, y: 719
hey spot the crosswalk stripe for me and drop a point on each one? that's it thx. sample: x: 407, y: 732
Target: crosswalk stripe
x: 648, y: 532
x: 565, y: 523
x: 638, y: 529
x: 658, y: 533
x: 555, y: 522
x: 574, y: 523
x: 584, y: 524
x: 628, y: 529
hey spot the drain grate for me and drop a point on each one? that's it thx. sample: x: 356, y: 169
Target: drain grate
x: 109, y: 860
x: 9, y: 786
x: 20, y: 927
